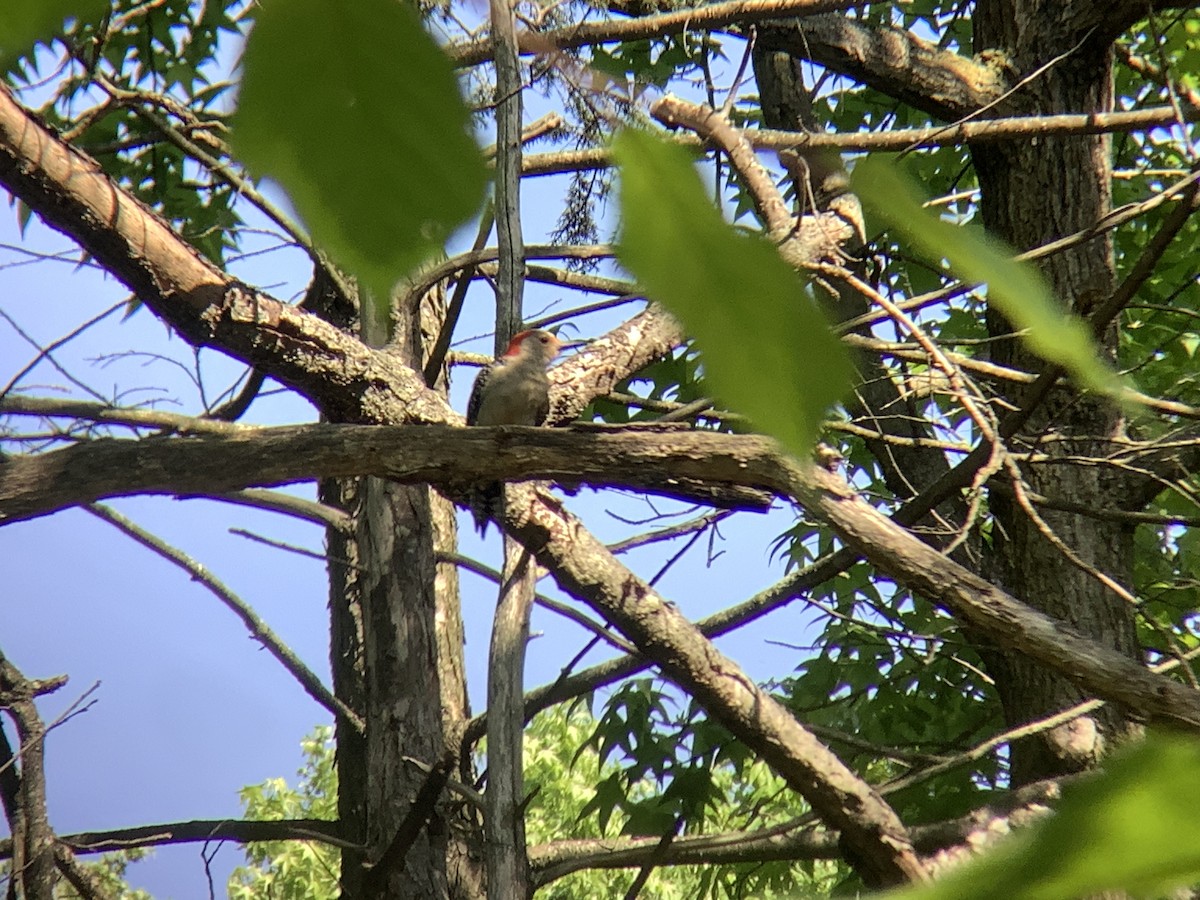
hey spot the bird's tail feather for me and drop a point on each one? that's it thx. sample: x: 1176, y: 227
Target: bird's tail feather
x: 487, y: 503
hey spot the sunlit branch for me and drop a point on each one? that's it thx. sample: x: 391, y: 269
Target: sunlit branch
x: 701, y: 18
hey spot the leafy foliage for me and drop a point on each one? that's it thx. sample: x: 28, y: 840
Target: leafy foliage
x: 27, y: 22
x: 144, y: 104
x: 293, y: 870
x: 760, y: 335
x: 1016, y: 289
x: 1131, y: 827
x: 375, y: 94
x: 107, y: 873
x: 373, y: 147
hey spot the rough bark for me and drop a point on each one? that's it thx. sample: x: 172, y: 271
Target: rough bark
x: 944, y: 842
x: 648, y: 26
x: 412, y: 657
x: 396, y: 592
x: 507, y: 863
x: 940, y: 82
x: 1033, y: 192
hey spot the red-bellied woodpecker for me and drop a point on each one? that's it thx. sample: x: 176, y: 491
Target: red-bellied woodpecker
x: 513, y: 390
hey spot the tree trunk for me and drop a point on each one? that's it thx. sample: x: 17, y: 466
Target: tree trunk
x: 397, y: 650
x: 1033, y: 192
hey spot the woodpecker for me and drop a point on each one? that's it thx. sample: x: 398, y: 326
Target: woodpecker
x: 513, y: 390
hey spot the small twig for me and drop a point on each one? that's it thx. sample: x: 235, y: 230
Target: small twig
x: 700, y: 523
x: 455, y: 265
x: 276, y: 501
x: 244, y: 831
x: 281, y: 545
x: 1029, y: 729
x: 1036, y: 73
x: 258, y: 629
x: 437, y: 355
x: 656, y: 856
x: 467, y: 792
x: 46, y: 352
x: 688, y: 410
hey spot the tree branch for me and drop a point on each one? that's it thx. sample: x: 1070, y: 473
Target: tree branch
x: 989, y: 131
x: 586, y: 569
x: 244, y: 831
x: 39, y: 484
x: 71, y: 193
x: 259, y: 630
x: 36, y: 485
x: 609, y: 360
x: 787, y: 842
x: 893, y: 61
x: 703, y: 18
x: 33, y: 867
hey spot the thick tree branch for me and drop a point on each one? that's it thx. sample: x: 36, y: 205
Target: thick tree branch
x: 33, y: 870
x: 70, y: 192
x: 723, y: 622
x: 35, y: 485
x: 510, y: 276
x: 713, y: 16
x: 790, y: 841
x: 504, y: 850
x: 504, y: 813
x: 353, y: 383
x: 586, y: 569
x: 893, y: 61
x: 87, y: 882
x: 39, y: 484
x: 609, y: 360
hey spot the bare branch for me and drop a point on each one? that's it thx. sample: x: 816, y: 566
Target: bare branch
x: 422, y: 809
x: 200, y: 831
x: 714, y: 16
x: 86, y: 882
x: 32, y: 872
x: 39, y: 484
x: 891, y: 60
x: 985, y: 132
x: 36, y: 485
x: 258, y: 629
x: 562, y: 609
x: 507, y: 862
x: 586, y: 569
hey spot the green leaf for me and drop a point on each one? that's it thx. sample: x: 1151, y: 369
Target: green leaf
x: 1132, y: 828
x: 355, y: 111
x: 1190, y: 341
x: 1015, y: 288
x: 767, y: 350
x: 26, y: 22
